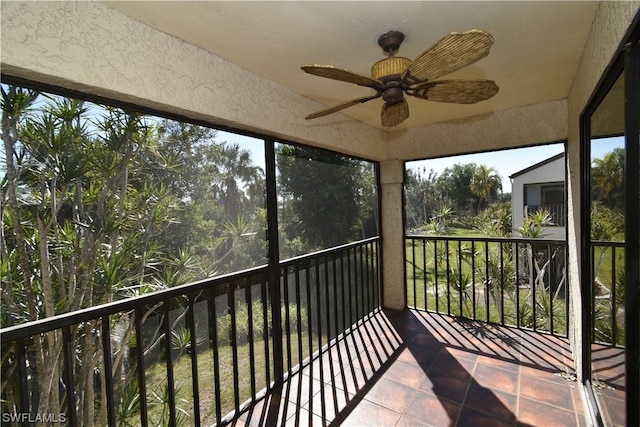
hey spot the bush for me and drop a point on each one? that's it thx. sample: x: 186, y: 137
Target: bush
x: 257, y: 323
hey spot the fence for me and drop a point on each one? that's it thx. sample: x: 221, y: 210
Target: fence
x: 195, y: 354
x: 510, y: 281
x: 557, y: 213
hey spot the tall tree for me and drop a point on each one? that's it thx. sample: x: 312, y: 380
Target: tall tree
x: 81, y: 228
x: 607, y: 179
x: 368, y: 217
x: 454, y: 187
x: 421, y: 198
x: 324, y: 190
x: 221, y: 198
x: 235, y: 169
x: 485, y: 184
x: 189, y: 153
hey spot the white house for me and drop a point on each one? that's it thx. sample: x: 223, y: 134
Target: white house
x: 541, y: 187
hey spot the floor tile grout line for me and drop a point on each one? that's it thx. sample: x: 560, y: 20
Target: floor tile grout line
x: 518, y: 394
x: 439, y: 332
x: 466, y: 394
x: 575, y: 408
x: 404, y: 412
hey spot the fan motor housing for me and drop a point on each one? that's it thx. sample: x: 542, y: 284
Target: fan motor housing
x: 393, y: 95
x: 388, y: 71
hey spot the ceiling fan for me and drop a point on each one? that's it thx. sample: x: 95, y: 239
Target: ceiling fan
x: 395, y: 76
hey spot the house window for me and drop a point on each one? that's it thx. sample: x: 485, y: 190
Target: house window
x: 547, y: 197
x: 553, y: 194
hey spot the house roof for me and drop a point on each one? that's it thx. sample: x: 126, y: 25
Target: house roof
x: 537, y: 165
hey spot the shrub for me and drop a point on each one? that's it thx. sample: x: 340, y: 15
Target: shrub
x: 257, y: 322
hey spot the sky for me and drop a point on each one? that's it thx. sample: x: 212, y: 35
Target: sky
x: 508, y: 162
x: 505, y: 162
x: 254, y: 145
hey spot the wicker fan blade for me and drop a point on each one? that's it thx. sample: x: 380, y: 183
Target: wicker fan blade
x: 335, y: 73
x: 455, y: 91
x: 394, y: 114
x: 452, y: 52
x: 342, y: 106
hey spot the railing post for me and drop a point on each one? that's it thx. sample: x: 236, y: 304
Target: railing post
x: 213, y: 339
x: 274, y: 258
x: 142, y: 382
x: 69, y: 350
x: 233, y: 308
x: 566, y: 291
x: 171, y: 392
x: 108, y: 370
x: 473, y: 276
x: 435, y: 274
x: 413, y: 271
x: 613, y: 320
x: 23, y: 383
x: 424, y: 272
x: 193, y: 343
x: 501, y: 251
x: 517, y: 261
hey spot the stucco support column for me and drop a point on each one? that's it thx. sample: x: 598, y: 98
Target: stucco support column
x: 393, y: 276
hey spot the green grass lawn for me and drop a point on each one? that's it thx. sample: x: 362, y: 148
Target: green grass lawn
x: 156, y: 377
x: 463, y: 232
x: 439, y: 281
x: 450, y: 282
x: 609, y: 296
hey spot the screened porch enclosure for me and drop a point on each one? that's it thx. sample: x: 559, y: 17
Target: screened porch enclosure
x: 199, y: 354
x: 180, y: 271
x: 155, y: 273
x: 333, y: 357
x: 275, y: 322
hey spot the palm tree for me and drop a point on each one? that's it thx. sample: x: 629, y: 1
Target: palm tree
x: 79, y: 221
x: 485, y: 184
x: 235, y: 168
x: 607, y: 179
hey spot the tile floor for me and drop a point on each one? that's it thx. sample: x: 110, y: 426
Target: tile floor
x: 413, y: 368
x: 609, y: 385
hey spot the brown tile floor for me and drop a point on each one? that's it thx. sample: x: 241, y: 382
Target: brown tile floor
x: 413, y: 368
x: 609, y: 384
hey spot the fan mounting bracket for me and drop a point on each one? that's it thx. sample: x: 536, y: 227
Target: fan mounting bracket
x: 390, y: 41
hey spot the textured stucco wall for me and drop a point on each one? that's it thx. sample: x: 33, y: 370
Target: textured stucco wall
x: 516, y: 127
x: 89, y: 47
x: 393, y: 276
x: 609, y: 27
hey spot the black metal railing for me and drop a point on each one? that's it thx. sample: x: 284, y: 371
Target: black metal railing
x: 557, y: 213
x: 608, y: 296
x: 510, y: 281
x: 199, y: 353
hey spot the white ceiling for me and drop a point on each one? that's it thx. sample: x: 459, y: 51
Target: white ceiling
x: 537, y: 47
